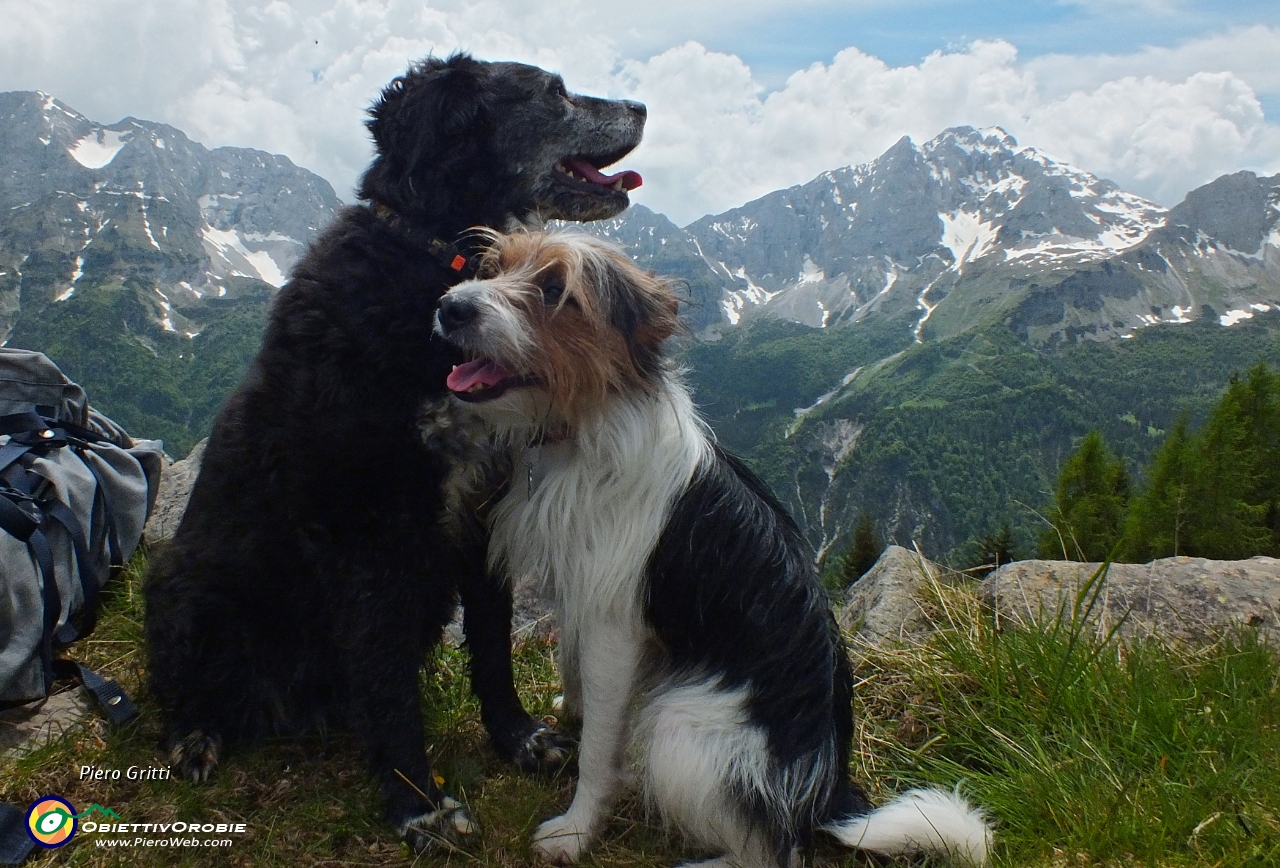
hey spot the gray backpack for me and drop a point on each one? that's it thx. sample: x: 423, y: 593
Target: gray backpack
x: 75, y: 491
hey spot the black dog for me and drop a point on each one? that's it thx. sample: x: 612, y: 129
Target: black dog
x: 328, y: 535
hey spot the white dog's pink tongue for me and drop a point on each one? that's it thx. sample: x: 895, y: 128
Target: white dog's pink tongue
x: 630, y: 180
x: 481, y: 372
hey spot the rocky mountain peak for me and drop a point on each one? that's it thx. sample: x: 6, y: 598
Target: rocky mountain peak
x: 973, y: 226
x: 897, y: 232
x: 89, y: 201
x: 1241, y: 211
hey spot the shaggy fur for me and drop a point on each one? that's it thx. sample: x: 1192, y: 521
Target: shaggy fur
x: 325, y: 544
x: 693, y: 624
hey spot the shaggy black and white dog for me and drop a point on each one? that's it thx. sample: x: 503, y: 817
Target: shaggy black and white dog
x: 325, y: 543
x: 693, y: 625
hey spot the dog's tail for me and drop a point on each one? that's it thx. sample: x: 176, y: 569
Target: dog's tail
x: 919, y: 821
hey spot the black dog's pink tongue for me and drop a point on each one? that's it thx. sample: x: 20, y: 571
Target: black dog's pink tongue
x: 630, y: 180
x: 482, y: 372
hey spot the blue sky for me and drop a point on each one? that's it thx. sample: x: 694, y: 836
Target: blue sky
x: 745, y: 96
x: 899, y: 33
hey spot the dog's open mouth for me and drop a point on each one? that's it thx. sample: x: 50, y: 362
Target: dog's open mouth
x: 484, y: 380
x: 586, y: 172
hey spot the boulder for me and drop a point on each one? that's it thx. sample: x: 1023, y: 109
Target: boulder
x: 175, y: 490
x: 1180, y: 598
x: 25, y: 728
x: 532, y: 616
x: 885, y: 604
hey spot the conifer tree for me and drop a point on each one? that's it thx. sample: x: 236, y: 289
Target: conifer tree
x: 863, y: 552
x: 995, y: 549
x: 1262, y: 418
x: 1088, y: 512
x: 1227, y: 496
x: 1158, y: 523
x: 1216, y: 494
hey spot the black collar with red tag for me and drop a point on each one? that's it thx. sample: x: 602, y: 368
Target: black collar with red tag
x: 448, y: 254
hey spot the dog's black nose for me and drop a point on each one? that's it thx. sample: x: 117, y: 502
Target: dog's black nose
x: 636, y: 107
x: 456, y: 312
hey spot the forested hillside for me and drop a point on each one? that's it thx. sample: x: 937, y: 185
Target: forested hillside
x: 944, y: 442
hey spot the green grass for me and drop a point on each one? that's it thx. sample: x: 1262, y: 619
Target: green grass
x: 1084, y: 750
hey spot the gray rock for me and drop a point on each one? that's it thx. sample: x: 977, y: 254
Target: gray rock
x: 532, y: 617
x: 25, y: 728
x: 1189, y: 599
x: 885, y: 604
x: 175, y: 490
x: 534, y: 613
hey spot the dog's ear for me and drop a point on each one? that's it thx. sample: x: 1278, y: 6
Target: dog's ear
x: 428, y: 124
x: 641, y: 305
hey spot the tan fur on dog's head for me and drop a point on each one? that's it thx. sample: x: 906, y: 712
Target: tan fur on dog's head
x: 571, y: 318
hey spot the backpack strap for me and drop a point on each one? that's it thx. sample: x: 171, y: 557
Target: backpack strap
x: 39, y: 429
x: 19, y: 423
x: 26, y: 528
x: 16, y: 842
x: 16, y: 521
x: 112, y: 699
x: 115, y: 548
x: 26, y: 431
x: 27, y: 483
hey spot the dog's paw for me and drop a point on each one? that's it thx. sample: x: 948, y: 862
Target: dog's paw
x: 195, y: 755
x: 445, y: 828
x: 544, y: 749
x: 560, y: 841
x: 567, y: 712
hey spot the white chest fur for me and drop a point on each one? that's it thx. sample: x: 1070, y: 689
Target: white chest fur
x: 588, y: 516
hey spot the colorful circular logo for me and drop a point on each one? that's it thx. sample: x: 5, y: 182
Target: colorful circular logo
x: 51, y: 821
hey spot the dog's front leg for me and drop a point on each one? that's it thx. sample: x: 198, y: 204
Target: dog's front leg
x: 568, y: 705
x: 486, y: 612
x: 385, y: 710
x: 608, y: 655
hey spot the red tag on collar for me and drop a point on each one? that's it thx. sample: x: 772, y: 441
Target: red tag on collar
x: 459, y: 262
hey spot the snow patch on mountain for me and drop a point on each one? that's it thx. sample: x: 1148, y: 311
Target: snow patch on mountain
x: 1057, y: 245
x: 230, y: 256
x: 802, y: 412
x: 810, y: 272
x: 967, y: 236
x: 732, y: 307
x: 99, y: 147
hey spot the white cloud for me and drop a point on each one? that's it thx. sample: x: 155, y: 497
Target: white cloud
x: 295, y: 77
x: 1154, y: 137
x: 1251, y: 53
x: 712, y: 127
x: 1160, y: 138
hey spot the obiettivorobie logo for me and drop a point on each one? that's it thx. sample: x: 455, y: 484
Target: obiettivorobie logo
x: 52, y: 821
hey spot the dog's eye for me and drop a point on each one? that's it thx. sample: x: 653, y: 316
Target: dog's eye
x: 552, y: 291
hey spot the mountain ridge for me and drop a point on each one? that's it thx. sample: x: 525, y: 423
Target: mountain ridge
x: 973, y: 217
x: 875, y: 339
x: 189, y: 217
x: 142, y: 262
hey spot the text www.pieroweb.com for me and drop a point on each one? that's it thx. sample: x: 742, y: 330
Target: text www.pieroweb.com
x: 162, y: 842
